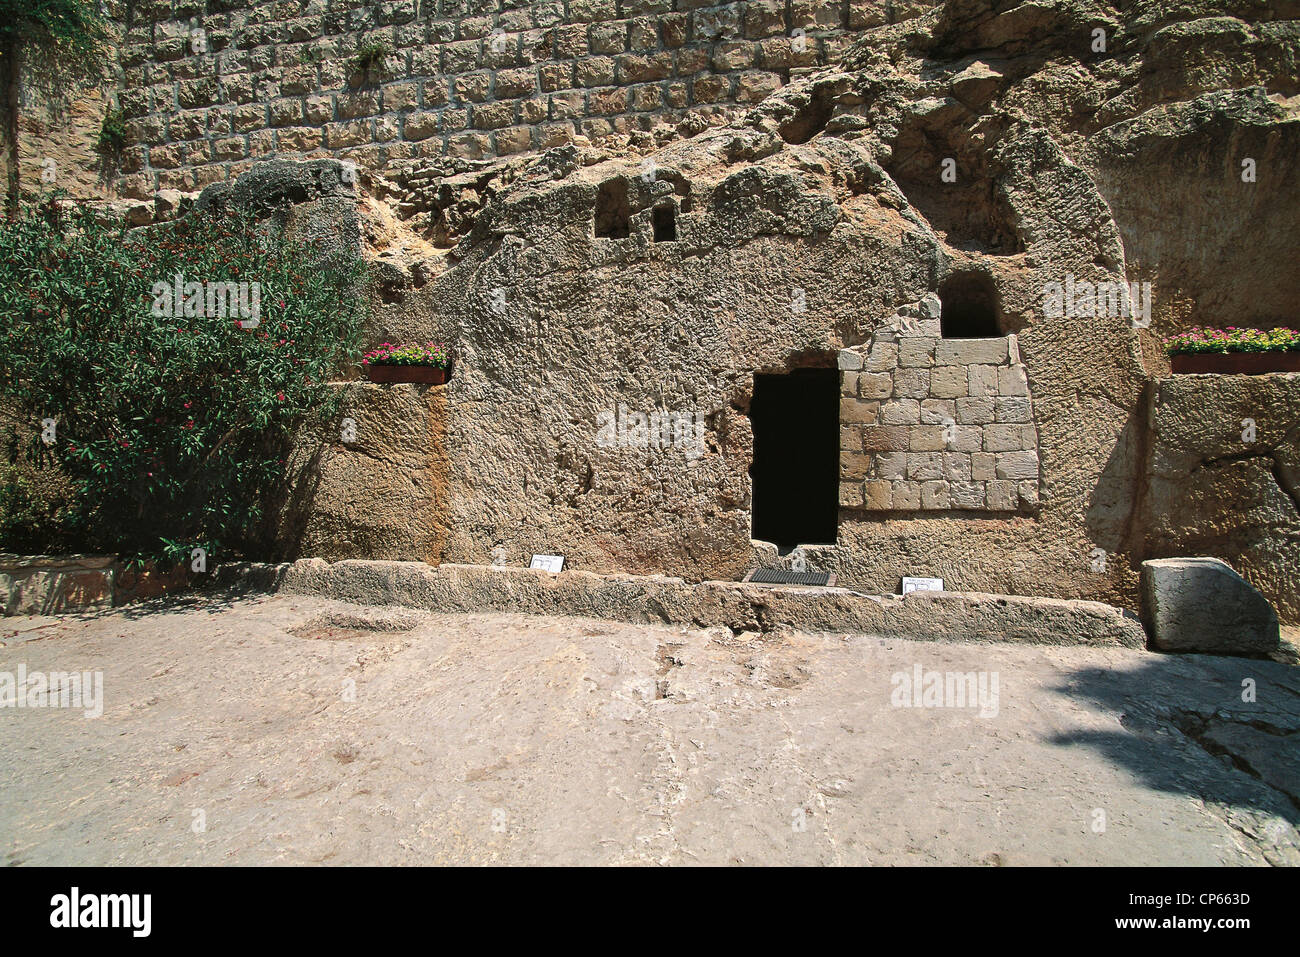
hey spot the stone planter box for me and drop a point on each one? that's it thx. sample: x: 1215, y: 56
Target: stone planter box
x: 1235, y: 363
x: 425, y: 375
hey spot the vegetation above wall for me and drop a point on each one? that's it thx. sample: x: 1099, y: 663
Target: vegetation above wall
x: 1232, y: 339
x: 163, y: 372
x: 52, y: 46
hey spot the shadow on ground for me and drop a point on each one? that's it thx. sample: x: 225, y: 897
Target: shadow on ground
x: 1223, y: 730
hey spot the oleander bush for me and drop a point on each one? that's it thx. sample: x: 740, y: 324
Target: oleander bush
x: 164, y: 371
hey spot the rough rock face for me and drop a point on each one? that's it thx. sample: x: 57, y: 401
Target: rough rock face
x: 1201, y: 604
x: 983, y: 153
x: 1223, y: 477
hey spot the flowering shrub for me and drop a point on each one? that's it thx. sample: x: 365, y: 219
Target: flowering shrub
x: 171, y: 424
x: 388, y: 354
x: 1233, y: 339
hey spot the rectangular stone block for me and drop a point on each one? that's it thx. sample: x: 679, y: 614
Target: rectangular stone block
x: 968, y: 495
x: 1013, y: 381
x: 900, y: 412
x: 756, y: 85
x: 419, y: 126
x: 1017, y: 465
x: 854, y: 466
x: 934, y: 495
x: 340, y: 135
x: 885, y: 438
x: 298, y: 140
x: 875, y: 385
x: 983, y: 380
x: 923, y: 466
x: 1002, y: 496
x: 877, y: 495
x: 849, y: 360
x: 891, y: 465
x: 948, y: 382
x: 224, y: 148
x: 1013, y: 409
x: 1008, y: 438
x: 849, y: 383
x: 906, y: 496
x: 926, y: 438
x: 915, y: 328
x: 856, y: 411
x: 982, y: 466
x: 938, y: 411
x: 916, y: 352
x: 975, y: 411
x: 965, y: 438
x: 912, y: 383
x: 956, y: 466
x: 517, y: 139
x: 851, y: 439
x: 883, y: 357
x: 850, y: 495
x: 971, y: 352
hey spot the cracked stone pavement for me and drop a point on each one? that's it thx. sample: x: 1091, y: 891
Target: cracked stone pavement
x: 229, y: 737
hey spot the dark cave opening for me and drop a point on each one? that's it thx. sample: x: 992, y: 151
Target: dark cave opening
x: 664, y: 221
x: 613, y: 213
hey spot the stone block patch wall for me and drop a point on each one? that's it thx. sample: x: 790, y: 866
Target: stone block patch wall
x: 932, y: 424
x: 209, y: 93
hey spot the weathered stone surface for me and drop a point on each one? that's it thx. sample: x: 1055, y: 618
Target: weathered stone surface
x: 1202, y: 604
x: 629, y: 743
x: 812, y: 227
x: 1213, y: 492
x: 51, y: 585
x: 925, y: 616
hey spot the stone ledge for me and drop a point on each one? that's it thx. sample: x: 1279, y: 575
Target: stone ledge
x: 63, y: 584
x: 933, y: 616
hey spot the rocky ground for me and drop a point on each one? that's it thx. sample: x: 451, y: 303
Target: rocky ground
x: 300, y: 730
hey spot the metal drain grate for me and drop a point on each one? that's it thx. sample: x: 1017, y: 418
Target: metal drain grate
x: 783, y: 576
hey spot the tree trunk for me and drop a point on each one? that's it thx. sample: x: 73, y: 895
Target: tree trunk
x: 10, y: 78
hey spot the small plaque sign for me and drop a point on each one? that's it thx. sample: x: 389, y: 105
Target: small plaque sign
x: 548, y: 563
x: 922, y: 584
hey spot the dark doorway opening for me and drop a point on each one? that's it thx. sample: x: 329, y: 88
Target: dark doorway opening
x: 613, y: 213
x: 664, y: 220
x: 969, y: 307
x: 795, y: 473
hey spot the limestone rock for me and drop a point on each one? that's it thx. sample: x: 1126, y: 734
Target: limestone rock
x: 738, y: 606
x: 1202, y: 604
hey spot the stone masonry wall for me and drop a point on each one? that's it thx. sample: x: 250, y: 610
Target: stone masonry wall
x: 209, y: 94
x: 934, y: 424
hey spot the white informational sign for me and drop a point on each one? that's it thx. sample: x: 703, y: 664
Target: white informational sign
x: 548, y: 563
x: 922, y: 584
